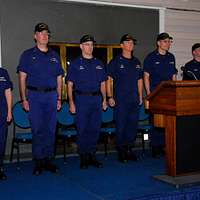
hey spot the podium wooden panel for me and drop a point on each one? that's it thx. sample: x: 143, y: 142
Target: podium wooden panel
x: 176, y: 107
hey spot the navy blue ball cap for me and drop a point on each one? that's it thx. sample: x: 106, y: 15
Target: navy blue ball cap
x: 195, y: 46
x: 163, y: 36
x: 87, y: 38
x: 127, y: 37
x: 41, y: 27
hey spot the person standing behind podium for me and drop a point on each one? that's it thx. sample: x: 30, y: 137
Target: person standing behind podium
x: 159, y: 66
x: 5, y: 114
x: 40, y: 73
x: 192, y: 68
x: 87, y: 77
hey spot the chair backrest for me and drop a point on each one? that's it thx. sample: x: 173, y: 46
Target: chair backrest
x: 142, y: 114
x: 107, y: 116
x: 20, y: 116
x: 64, y: 117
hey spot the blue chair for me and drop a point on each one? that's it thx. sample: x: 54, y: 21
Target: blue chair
x: 108, y: 127
x: 66, y: 131
x: 144, y: 126
x: 21, y: 129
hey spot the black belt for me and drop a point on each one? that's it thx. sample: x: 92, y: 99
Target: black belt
x: 38, y: 89
x: 96, y: 93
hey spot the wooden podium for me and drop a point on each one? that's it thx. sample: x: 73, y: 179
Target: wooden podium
x: 175, y: 106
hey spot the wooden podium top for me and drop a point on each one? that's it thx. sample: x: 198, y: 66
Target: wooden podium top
x: 177, y: 98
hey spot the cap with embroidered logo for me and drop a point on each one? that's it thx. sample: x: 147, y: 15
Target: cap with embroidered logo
x: 127, y: 37
x: 87, y: 38
x: 41, y: 27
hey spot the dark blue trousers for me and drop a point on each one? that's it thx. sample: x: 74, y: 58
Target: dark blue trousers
x: 88, y: 122
x: 3, y: 137
x: 43, y: 109
x: 126, y: 118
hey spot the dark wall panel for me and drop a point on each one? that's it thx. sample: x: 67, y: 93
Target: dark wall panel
x: 68, y: 21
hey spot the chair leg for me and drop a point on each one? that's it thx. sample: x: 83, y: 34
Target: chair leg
x: 18, y: 167
x: 64, y: 150
x: 12, y: 150
x: 143, y: 143
x: 105, y: 146
x: 55, y: 148
x: 105, y: 150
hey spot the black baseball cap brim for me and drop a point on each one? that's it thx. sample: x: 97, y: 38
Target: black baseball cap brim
x: 127, y: 37
x: 163, y: 36
x: 87, y: 38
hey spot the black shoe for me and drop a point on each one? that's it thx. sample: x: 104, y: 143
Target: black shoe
x: 94, y: 162
x: 155, y: 152
x: 38, y: 168
x: 131, y: 156
x: 49, y: 166
x: 3, y: 176
x: 162, y: 150
x: 83, y: 161
x: 122, y: 156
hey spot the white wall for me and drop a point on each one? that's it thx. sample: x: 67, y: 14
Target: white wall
x: 184, y: 26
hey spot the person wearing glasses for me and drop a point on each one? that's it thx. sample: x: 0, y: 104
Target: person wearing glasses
x: 86, y: 80
x: 40, y: 83
x: 159, y: 66
x: 5, y: 114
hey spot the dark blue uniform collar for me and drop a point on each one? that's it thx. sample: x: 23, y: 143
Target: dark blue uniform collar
x: 87, y: 59
x: 158, y: 54
x: 195, y: 61
x: 122, y: 57
x: 37, y: 50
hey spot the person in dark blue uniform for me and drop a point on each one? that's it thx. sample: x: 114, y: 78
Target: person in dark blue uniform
x: 126, y: 72
x: 159, y: 66
x: 192, y: 68
x: 5, y: 114
x: 40, y: 82
x: 86, y: 79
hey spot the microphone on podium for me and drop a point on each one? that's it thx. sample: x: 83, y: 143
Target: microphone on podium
x: 189, y: 73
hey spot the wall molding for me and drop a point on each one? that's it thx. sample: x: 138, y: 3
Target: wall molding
x: 110, y: 4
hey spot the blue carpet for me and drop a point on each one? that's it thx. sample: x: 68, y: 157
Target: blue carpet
x: 115, y: 181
